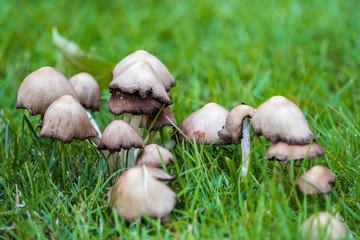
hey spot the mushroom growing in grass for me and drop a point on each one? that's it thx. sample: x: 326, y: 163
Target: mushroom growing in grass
x: 140, y: 190
x: 203, y: 125
x: 236, y: 129
x: 154, y: 155
x: 65, y: 119
x: 317, y: 180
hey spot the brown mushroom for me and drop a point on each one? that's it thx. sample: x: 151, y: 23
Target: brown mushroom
x: 153, y: 155
x: 165, y: 118
x: 317, y: 180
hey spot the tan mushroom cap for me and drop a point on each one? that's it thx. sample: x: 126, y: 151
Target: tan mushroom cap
x: 159, y: 68
x: 87, y: 89
x: 165, y: 118
x: 41, y: 88
x: 317, y: 180
x: 140, y: 190
x: 66, y: 119
x: 323, y: 224
x: 140, y: 77
x: 207, y: 121
x: 279, y: 119
x: 153, y: 155
x: 120, y: 135
x: 285, y: 152
x: 232, y: 131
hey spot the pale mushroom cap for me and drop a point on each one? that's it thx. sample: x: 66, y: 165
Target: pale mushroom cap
x: 232, y: 131
x: 140, y: 77
x: 321, y: 224
x: 279, y: 119
x: 317, y: 180
x: 159, y: 68
x: 285, y: 152
x: 165, y: 118
x: 87, y: 89
x: 41, y: 88
x: 141, y: 190
x: 120, y: 135
x: 152, y: 156
x: 207, y: 121
x: 66, y: 119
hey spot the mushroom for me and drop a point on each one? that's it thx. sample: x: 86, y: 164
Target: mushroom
x: 153, y: 155
x: 317, y: 180
x: 323, y: 224
x: 65, y: 119
x: 279, y: 119
x: 41, y: 88
x: 165, y: 118
x: 203, y: 125
x: 87, y: 89
x: 236, y: 128
x: 140, y: 190
x: 285, y: 152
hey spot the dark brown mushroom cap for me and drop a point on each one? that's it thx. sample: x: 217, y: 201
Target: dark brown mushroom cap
x: 140, y: 77
x: 87, y: 89
x: 207, y: 121
x: 159, y: 68
x: 285, y: 152
x: 152, y: 156
x: 120, y: 135
x: 66, y: 119
x: 323, y: 222
x: 140, y: 190
x: 279, y: 119
x: 232, y: 131
x: 41, y: 88
x: 317, y: 180
x: 165, y: 118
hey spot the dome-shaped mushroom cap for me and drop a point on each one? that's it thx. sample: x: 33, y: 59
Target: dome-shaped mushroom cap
x: 140, y: 77
x: 232, y: 131
x: 120, y: 135
x: 285, y: 152
x: 317, y: 180
x: 165, y: 118
x: 141, y: 190
x: 323, y: 224
x: 152, y: 156
x: 66, y: 119
x: 207, y: 121
x: 87, y: 89
x: 279, y: 119
x: 41, y: 88
x: 159, y: 68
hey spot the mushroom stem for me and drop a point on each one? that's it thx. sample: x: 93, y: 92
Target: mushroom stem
x: 96, y: 139
x: 245, y: 146
x: 132, y: 154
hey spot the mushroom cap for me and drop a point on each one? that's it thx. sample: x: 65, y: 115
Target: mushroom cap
x: 207, y: 121
x: 140, y: 77
x: 165, y: 118
x: 41, y: 88
x: 152, y: 156
x: 323, y: 224
x: 120, y: 135
x: 285, y: 152
x: 66, y: 119
x: 159, y: 68
x: 87, y: 89
x: 232, y: 131
x: 279, y: 119
x: 140, y: 190
x: 317, y: 180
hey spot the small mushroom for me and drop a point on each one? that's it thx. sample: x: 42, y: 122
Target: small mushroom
x: 65, y: 119
x: 87, y: 89
x: 153, y: 155
x: 323, y: 224
x: 140, y: 190
x: 165, y: 118
x: 317, y: 180
x: 41, y: 88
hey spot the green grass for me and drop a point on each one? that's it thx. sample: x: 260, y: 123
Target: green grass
x: 227, y: 52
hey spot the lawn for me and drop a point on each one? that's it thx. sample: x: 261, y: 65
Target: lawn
x: 226, y: 52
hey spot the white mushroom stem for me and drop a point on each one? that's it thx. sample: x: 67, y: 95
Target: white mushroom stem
x: 245, y: 146
x: 96, y: 139
x: 132, y: 153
